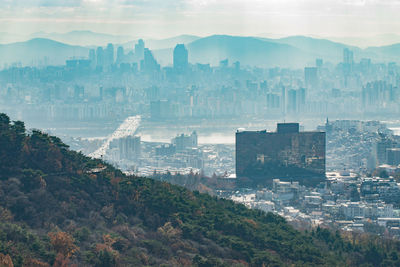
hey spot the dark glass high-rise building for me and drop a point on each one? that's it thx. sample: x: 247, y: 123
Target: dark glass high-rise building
x: 180, y: 59
x: 286, y: 154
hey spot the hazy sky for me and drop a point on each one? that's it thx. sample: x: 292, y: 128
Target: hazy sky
x: 163, y: 18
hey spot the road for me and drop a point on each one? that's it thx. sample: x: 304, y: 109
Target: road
x: 127, y: 128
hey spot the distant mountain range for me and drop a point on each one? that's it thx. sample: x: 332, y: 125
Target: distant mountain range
x: 294, y: 51
x: 40, y: 51
x: 363, y: 42
x: 83, y: 38
x: 247, y: 50
x: 322, y: 48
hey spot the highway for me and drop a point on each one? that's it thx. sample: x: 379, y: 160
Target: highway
x: 127, y: 128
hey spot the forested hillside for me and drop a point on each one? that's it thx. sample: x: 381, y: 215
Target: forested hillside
x: 60, y: 208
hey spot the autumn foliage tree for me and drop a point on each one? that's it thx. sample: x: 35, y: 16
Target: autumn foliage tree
x: 35, y: 263
x: 5, y: 261
x: 63, y: 243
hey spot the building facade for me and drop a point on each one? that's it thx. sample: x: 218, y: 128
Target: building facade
x: 286, y: 154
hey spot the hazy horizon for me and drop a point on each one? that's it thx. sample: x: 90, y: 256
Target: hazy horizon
x: 358, y: 41
x: 346, y: 20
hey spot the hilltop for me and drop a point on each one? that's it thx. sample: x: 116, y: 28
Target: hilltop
x: 59, y: 207
x: 247, y: 50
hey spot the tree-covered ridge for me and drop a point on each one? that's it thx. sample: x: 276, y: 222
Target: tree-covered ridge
x: 60, y: 208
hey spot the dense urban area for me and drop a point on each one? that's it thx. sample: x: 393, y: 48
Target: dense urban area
x: 178, y: 123
x: 199, y: 133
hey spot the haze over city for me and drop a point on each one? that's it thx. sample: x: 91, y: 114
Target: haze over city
x: 199, y: 133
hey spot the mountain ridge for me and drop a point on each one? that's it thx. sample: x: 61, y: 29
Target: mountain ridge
x: 294, y: 51
x: 247, y: 50
x: 40, y: 49
x: 82, y: 37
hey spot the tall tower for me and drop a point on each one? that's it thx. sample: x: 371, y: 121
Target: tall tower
x: 139, y: 50
x: 149, y: 63
x: 100, y: 57
x: 292, y: 101
x: 120, y: 55
x: 348, y: 56
x: 348, y: 61
x: 109, y: 54
x: 283, y: 100
x: 180, y: 58
x: 92, y: 57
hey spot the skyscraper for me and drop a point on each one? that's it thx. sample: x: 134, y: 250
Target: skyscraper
x: 149, y: 63
x: 109, y: 55
x: 180, y: 58
x: 348, y: 61
x: 301, y: 99
x: 292, y: 101
x: 139, y: 51
x: 92, y: 56
x: 283, y: 99
x: 348, y: 57
x: 120, y: 55
x: 311, y: 77
x: 100, y: 57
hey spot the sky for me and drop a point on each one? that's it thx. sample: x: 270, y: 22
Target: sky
x: 165, y: 18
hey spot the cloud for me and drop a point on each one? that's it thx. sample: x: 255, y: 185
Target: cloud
x: 205, y: 16
x: 40, y: 3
